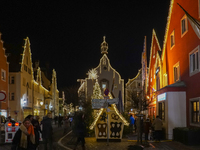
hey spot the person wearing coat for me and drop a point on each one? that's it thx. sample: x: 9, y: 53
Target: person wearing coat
x: 24, y: 138
x: 47, y: 131
x: 157, y: 124
x: 80, y: 131
x: 147, y: 125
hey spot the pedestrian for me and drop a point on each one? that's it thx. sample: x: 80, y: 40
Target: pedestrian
x: 24, y: 138
x: 80, y: 130
x: 157, y: 124
x: 55, y: 119
x: 147, y: 125
x: 59, y: 121
x: 66, y: 124
x: 132, y: 123
x: 37, y: 130
x: 47, y: 131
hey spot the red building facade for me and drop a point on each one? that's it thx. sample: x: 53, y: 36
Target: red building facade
x: 175, y: 74
x: 4, y: 66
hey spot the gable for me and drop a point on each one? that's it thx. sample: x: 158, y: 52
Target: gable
x: 26, y: 62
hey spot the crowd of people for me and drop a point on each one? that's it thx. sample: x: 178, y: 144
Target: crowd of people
x: 27, y: 136
x: 151, y: 129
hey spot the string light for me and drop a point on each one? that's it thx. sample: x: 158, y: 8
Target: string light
x: 117, y: 112
x: 167, y: 27
x: 97, y: 118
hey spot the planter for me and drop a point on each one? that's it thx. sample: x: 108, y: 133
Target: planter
x: 187, y: 136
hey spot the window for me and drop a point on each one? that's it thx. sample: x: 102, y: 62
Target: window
x: 194, y: 61
x: 12, y: 80
x: 161, y: 109
x: 3, y: 75
x: 172, y: 39
x: 176, y: 72
x: 29, y: 70
x: 154, y: 51
x: 25, y: 67
x: 12, y: 97
x: 184, y: 25
x: 194, y: 111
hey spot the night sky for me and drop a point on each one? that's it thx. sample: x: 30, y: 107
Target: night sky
x: 68, y: 34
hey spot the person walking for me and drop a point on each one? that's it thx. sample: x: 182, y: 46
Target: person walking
x: 24, y: 138
x: 157, y: 124
x: 66, y: 124
x: 37, y: 130
x: 59, y: 121
x: 147, y: 125
x: 80, y: 130
x: 132, y: 123
x: 47, y: 131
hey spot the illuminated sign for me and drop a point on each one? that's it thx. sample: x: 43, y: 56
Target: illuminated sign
x: 162, y: 97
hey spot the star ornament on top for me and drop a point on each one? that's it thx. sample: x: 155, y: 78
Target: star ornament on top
x: 92, y: 74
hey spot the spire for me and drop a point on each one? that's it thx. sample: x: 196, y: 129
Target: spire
x: 104, y: 46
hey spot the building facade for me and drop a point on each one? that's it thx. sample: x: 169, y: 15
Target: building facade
x: 132, y: 86
x: 28, y: 95
x: 4, y: 68
x: 105, y: 75
x: 176, y: 81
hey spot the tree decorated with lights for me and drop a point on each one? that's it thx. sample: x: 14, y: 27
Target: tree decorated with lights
x: 97, y: 91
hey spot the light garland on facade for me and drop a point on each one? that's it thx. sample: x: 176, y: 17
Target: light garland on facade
x: 123, y: 119
x: 167, y: 27
x: 94, y: 123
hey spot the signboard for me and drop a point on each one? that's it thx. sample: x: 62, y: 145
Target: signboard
x: 98, y: 103
x: 113, y: 101
x: 162, y: 97
x: 2, y: 96
x: 101, y: 103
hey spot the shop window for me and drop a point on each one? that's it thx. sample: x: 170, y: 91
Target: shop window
x: 194, y: 103
x: 194, y: 61
x: 184, y: 25
x: 176, y: 72
x: 3, y: 75
x: 161, y: 110
x: 172, y: 39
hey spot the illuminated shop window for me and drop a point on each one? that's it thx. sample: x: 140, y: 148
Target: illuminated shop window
x: 194, y: 107
x: 194, y: 61
x: 172, y: 39
x: 3, y: 75
x: 184, y: 25
x: 176, y: 68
